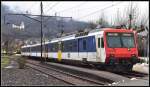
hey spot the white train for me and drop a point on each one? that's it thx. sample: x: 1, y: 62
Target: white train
x: 109, y: 47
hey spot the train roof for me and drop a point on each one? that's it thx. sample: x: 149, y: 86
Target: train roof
x: 73, y: 36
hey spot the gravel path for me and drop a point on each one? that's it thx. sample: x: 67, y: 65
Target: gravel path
x: 26, y: 77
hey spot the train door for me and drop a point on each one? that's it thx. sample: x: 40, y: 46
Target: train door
x: 46, y: 51
x: 59, y: 53
x: 100, y: 49
x: 82, y: 49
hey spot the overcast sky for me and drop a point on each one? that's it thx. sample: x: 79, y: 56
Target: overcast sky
x: 77, y: 9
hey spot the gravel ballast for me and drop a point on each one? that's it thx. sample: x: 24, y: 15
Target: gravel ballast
x: 27, y: 77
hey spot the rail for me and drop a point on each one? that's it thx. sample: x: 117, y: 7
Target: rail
x: 79, y: 78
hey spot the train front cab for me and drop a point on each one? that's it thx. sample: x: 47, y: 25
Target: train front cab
x: 121, y: 49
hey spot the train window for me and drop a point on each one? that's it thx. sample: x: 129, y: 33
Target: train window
x: 74, y: 45
x: 65, y: 46
x: 32, y: 49
x: 53, y: 48
x: 26, y: 49
x: 127, y: 40
x: 113, y: 40
x: 84, y: 44
x: 29, y: 49
x: 98, y: 42
x: 50, y: 48
x: 70, y: 46
x: 56, y: 47
x: 62, y: 46
x: 39, y: 48
x: 102, y: 43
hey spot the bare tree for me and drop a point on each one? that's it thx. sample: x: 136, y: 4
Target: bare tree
x: 120, y: 20
x: 128, y: 17
x: 102, y: 20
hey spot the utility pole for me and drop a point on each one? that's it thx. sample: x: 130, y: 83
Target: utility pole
x: 41, y: 31
x: 55, y: 13
x: 147, y: 45
x: 130, y: 17
x: 62, y: 27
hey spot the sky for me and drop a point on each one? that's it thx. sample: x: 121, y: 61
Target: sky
x: 79, y: 10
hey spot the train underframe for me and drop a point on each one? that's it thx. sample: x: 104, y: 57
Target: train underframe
x: 121, y: 64
x: 114, y: 65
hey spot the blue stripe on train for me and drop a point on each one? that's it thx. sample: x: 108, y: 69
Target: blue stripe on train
x: 86, y: 44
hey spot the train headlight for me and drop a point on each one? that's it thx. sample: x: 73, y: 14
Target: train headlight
x: 133, y: 55
x: 111, y: 55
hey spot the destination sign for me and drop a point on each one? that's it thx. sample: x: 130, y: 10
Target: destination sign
x: 127, y: 34
x: 112, y: 34
x: 117, y: 34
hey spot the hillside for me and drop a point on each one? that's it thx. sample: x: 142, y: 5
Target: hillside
x: 51, y: 28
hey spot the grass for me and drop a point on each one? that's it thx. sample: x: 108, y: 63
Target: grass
x: 4, y: 61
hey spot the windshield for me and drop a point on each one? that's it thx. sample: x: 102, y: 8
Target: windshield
x: 118, y: 40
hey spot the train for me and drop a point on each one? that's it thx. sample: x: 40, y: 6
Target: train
x: 111, y: 48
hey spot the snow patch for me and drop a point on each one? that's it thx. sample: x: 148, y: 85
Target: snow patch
x: 133, y: 79
x: 114, y: 83
x: 43, y: 75
x: 143, y: 68
x: 9, y: 67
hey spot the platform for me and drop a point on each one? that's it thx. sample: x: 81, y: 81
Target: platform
x: 134, y: 82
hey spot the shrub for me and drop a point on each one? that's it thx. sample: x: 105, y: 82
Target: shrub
x: 21, y: 62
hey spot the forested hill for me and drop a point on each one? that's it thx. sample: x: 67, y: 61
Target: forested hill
x: 51, y: 28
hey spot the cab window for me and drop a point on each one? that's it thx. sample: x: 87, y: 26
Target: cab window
x: 100, y: 43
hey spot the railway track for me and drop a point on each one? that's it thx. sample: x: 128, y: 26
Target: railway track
x: 64, y: 76
x: 129, y: 75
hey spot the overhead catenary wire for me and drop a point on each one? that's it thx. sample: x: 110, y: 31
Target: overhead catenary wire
x: 81, y: 4
x: 52, y: 6
x: 44, y: 7
x: 99, y: 10
x: 88, y: 8
x: 31, y: 7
